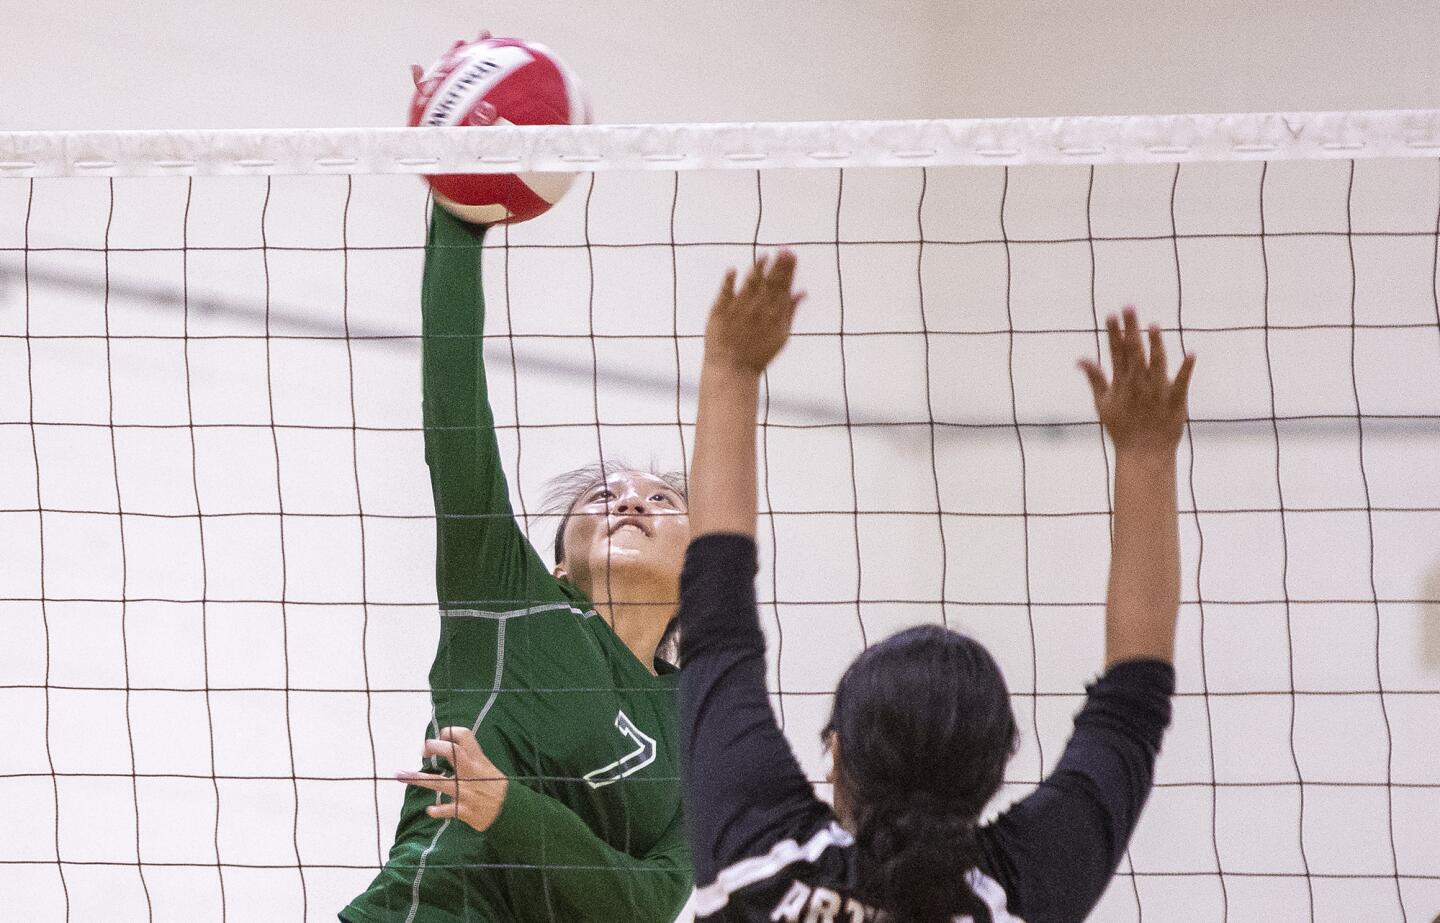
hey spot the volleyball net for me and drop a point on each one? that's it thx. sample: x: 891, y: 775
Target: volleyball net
x: 217, y: 537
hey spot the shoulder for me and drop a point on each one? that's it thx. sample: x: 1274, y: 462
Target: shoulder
x: 530, y: 596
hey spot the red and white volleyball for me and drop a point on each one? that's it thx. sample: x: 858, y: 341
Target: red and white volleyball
x: 498, y: 81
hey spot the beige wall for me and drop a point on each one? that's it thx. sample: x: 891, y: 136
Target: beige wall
x: 1096, y: 57
x: 166, y: 64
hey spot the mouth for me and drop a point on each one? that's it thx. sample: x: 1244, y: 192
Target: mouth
x: 635, y: 521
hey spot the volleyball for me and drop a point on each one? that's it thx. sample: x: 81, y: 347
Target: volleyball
x: 498, y: 81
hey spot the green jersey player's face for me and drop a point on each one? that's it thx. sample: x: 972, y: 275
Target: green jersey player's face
x: 627, y: 536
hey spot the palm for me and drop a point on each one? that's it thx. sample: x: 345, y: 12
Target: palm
x: 1141, y: 407
x: 748, y: 326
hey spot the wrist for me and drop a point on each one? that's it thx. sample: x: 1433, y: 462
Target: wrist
x: 1148, y: 456
x: 727, y: 368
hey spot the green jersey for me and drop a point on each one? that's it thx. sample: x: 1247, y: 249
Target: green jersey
x: 590, y: 829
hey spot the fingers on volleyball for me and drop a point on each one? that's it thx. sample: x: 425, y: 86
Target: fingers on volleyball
x: 492, y: 81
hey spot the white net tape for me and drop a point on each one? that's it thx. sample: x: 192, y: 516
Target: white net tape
x: 720, y: 146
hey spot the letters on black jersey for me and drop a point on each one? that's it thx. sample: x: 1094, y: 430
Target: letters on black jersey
x: 804, y: 904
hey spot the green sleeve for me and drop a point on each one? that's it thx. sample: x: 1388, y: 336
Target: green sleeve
x: 482, y: 559
x: 583, y: 872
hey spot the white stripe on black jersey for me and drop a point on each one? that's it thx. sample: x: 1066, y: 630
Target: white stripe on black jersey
x: 766, y: 850
x: 714, y: 896
x: 792, y: 869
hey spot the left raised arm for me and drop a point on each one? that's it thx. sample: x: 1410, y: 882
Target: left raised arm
x: 747, y: 329
x: 744, y: 791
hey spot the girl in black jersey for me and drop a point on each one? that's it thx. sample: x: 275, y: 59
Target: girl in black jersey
x: 922, y: 727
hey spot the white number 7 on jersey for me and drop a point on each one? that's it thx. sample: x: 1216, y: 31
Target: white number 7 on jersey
x: 634, y: 761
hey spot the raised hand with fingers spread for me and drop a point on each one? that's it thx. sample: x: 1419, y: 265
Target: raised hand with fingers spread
x: 1141, y: 408
x: 748, y: 326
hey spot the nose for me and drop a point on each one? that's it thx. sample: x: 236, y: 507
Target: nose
x: 630, y: 503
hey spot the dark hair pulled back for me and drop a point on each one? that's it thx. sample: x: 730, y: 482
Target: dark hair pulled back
x: 925, y: 730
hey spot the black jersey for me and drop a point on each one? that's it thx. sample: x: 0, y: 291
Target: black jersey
x: 765, y: 848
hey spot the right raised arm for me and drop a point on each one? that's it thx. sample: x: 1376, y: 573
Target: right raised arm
x: 1144, y: 413
x: 1056, y: 850
x: 482, y: 560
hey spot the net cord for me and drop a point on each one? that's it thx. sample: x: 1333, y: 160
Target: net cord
x: 727, y: 145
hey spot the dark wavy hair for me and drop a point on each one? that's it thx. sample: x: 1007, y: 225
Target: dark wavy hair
x: 925, y: 729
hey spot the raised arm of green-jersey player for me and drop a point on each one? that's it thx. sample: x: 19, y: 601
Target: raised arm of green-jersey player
x: 482, y: 559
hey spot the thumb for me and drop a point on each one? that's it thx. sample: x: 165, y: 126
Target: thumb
x: 1096, y: 377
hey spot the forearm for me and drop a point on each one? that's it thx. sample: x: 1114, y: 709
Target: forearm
x: 722, y: 474
x: 585, y: 872
x: 1079, y: 821
x: 457, y: 419
x: 480, y: 553
x: 1143, y: 600
x: 743, y: 788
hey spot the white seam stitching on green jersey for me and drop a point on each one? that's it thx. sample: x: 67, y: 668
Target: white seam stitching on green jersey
x: 513, y: 613
x: 499, y: 671
x: 484, y: 710
x: 435, y: 731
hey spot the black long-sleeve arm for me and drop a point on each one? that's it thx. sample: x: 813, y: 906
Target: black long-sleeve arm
x: 743, y: 789
x: 1055, y: 850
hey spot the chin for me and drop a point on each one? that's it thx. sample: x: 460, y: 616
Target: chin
x: 631, y: 560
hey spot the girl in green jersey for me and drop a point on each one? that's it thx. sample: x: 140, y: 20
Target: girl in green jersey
x: 548, y: 704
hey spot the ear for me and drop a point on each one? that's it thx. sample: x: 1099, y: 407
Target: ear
x: 560, y: 573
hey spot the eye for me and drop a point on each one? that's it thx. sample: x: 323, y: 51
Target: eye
x: 660, y: 497
x: 603, y: 493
